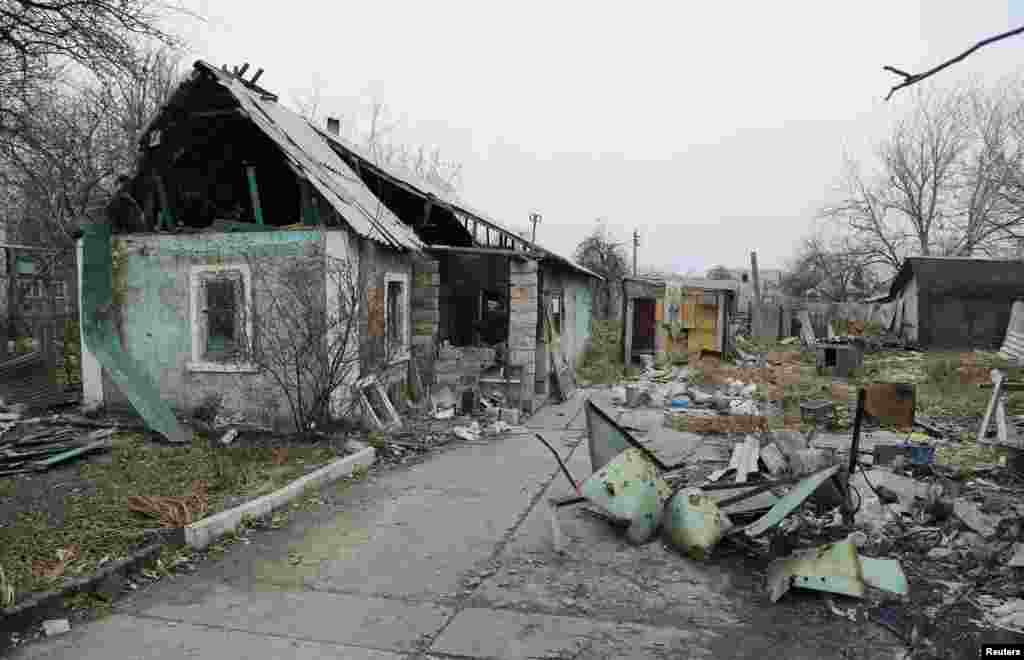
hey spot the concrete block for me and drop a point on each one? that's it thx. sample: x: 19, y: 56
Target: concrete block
x: 200, y: 534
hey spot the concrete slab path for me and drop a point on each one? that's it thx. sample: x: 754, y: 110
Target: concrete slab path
x: 452, y: 558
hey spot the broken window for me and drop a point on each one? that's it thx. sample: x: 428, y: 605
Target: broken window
x: 221, y: 317
x: 396, y: 315
x: 222, y: 331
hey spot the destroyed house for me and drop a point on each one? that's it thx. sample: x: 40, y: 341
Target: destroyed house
x: 954, y: 302
x: 498, y: 314
x: 233, y: 194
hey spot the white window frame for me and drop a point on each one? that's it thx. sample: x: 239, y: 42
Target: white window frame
x: 404, y: 352
x: 196, y: 277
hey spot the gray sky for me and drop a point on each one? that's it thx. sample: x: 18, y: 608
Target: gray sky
x: 714, y: 128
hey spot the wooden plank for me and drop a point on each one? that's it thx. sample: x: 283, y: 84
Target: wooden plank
x: 997, y: 382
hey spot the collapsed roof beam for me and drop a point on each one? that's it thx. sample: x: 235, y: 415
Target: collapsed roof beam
x: 515, y: 254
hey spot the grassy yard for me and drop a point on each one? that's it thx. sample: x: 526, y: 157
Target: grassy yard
x: 65, y: 522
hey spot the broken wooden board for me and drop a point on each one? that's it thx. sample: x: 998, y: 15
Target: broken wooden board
x: 750, y: 451
x: 565, y: 380
x: 96, y: 445
x: 997, y: 391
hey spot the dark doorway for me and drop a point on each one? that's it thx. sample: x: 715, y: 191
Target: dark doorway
x: 643, y: 325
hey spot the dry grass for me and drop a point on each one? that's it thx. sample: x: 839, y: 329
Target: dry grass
x: 142, y: 486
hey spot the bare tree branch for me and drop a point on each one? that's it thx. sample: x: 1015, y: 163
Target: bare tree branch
x: 914, y: 78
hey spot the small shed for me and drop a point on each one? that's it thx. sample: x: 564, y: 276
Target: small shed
x: 676, y: 315
x: 955, y: 302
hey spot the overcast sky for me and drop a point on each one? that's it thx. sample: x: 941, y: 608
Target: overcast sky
x: 715, y: 128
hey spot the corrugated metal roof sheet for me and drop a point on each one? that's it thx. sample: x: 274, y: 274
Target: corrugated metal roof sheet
x: 426, y: 188
x: 704, y: 283
x: 312, y: 158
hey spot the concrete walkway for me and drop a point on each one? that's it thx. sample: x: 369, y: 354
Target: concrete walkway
x: 452, y: 558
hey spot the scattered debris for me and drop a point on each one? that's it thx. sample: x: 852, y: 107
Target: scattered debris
x: 1008, y: 615
x: 469, y: 433
x: 229, y: 437
x: 773, y: 459
x: 53, y: 627
x: 835, y: 568
x: 629, y: 489
x: 970, y: 514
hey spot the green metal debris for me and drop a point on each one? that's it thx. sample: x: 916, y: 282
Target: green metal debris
x: 101, y: 337
x: 630, y: 490
x: 694, y: 523
x: 835, y: 568
x: 791, y: 501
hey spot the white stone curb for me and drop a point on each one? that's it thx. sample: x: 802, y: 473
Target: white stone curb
x: 202, y: 533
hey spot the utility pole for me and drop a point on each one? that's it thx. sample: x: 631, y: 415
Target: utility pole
x: 534, y: 218
x: 636, y: 244
x: 755, y: 315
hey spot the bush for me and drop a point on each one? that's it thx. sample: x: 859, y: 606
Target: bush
x: 602, y: 358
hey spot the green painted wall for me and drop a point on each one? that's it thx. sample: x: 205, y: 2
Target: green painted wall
x: 153, y: 280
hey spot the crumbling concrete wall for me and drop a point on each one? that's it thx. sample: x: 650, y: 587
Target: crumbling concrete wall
x: 153, y: 279
x: 459, y: 368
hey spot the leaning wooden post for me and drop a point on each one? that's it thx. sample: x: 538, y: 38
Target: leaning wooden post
x: 254, y: 192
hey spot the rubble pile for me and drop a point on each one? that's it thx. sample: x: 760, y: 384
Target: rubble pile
x: 889, y: 529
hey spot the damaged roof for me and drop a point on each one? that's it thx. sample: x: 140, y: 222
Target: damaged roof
x: 310, y: 156
x: 407, y: 179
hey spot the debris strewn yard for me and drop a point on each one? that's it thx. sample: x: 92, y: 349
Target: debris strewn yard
x: 927, y: 539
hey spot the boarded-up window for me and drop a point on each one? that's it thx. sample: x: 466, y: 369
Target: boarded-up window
x: 396, y: 315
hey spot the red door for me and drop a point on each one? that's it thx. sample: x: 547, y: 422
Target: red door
x: 643, y: 325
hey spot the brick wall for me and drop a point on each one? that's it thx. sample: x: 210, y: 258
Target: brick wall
x: 522, y: 332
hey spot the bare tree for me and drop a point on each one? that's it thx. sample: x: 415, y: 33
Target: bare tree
x: 374, y: 130
x: 944, y: 184
x: 606, y: 257
x: 36, y: 36
x: 62, y: 165
x: 305, y: 336
x: 831, y: 269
